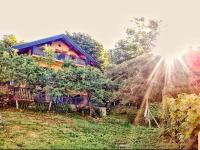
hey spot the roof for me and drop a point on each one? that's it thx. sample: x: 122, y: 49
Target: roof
x: 63, y: 37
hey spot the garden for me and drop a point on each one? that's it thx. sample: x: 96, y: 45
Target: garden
x: 151, y: 102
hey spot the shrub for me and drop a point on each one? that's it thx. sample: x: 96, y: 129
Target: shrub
x: 156, y: 110
x: 181, y: 116
x: 62, y: 108
x: 94, y: 111
x: 97, y: 112
x: 83, y: 110
x: 131, y: 117
x: 41, y: 107
x: 129, y: 111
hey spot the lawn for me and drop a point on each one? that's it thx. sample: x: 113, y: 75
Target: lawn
x: 27, y: 129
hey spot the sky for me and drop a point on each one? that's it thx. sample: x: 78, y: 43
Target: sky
x: 104, y: 20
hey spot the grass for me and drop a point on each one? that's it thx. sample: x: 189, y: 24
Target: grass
x: 34, y: 130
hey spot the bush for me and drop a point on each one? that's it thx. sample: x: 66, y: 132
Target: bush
x: 131, y: 117
x: 41, y: 107
x: 61, y: 108
x: 97, y: 112
x: 129, y: 111
x: 94, y: 112
x: 181, y: 116
x: 156, y: 110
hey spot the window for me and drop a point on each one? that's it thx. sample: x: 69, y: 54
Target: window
x: 60, y: 56
x: 38, y: 51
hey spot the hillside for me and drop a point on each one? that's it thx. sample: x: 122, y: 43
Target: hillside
x: 26, y: 129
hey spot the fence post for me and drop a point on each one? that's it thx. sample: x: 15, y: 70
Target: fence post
x: 17, y: 104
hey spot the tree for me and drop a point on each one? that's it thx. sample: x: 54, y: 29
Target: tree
x: 16, y: 68
x: 24, y: 70
x: 140, y: 39
x: 8, y: 40
x: 133, y: 76
x: 74, y: 79
x: 92, y: 47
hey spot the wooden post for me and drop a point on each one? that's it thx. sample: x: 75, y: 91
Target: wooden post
x: 17, y: 104
x: 50, y: 105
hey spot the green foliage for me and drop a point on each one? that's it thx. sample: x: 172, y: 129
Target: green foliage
x: 49, y: 55
x: 61, y: 108
x: 140, y: 39
x: 156, y: 110
x: 32, y: 130
x: 41, y: 107
x: 132, y: 75
x: 17, y: 68
x: 94, y: 112
x: 92, y: 47
x: 128, y: 112
x: 149, y: 138
x: 84, y: 79
x: 8, y: 41
x: 181, y: 116
x: 23, y: 70
x: 97, y: 112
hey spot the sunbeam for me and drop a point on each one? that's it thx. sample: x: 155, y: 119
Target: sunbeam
x: 177, y: 76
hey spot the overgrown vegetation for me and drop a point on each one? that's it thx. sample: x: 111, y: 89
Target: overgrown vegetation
x: 126, y: 112
x: 133, y: 75
x: 181, y: 117
x: 133, y: 65
x: 130, y: 112
x: 32, y: 130
x: 92, y: 47
x: 22, y: 70
x: 140, y: 39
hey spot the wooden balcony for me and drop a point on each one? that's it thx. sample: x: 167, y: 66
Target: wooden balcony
x: 57, y: 64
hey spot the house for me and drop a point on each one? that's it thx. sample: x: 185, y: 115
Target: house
x: 64, y: 47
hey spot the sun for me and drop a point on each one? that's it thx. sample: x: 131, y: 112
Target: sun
x: 170, y: 55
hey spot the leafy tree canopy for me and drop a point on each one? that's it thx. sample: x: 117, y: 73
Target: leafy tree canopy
x: 70, y: 79
x: 140, y: 39
x: 8, y: 40
x: 92, y: 47
x: 85, y: 79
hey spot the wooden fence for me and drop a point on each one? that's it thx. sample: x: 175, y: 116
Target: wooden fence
x: 22, y: 95
x: 8, y: 94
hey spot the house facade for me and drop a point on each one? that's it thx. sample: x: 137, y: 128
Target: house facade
x: 64, y: 48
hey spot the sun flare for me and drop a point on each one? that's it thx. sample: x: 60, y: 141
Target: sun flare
x: 169, y: 56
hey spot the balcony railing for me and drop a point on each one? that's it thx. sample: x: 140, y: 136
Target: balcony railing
x: 38, y: 51
x: 59, y: 56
